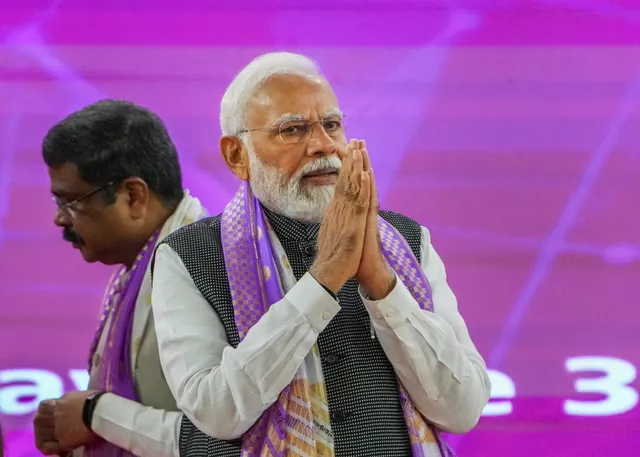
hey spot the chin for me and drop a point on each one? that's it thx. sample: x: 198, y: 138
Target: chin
x: 308, y: 218
x: 88, y: 255
x: 307, y: 213
x: 91, y: 256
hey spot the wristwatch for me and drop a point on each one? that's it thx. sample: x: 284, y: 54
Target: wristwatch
x: 89, y: 407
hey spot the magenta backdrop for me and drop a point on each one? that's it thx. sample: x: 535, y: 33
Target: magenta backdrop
x: 511, y: 128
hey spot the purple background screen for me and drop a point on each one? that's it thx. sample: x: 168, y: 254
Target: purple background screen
x: 510, y: 128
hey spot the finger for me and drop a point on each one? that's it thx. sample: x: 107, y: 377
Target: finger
x: 364, y: 194
x: 352, y: 171
x: 365, y: 157
x: 47, y: 406
x: 357, y: 166
x: 59, y: 434
x: 41, y: 442
x: 374, y: 205
x: 342, y: 150
x: 50, y: 448
x: 45, y: 411
x: 43, y: 426
x: 362, y: 145
x: 344, y: 174
x: 43, y: 421
x: 372, y: 214
x: 353, y: 144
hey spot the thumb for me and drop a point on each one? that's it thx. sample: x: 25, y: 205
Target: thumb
x: 47, y: 406
x: 51, y: 448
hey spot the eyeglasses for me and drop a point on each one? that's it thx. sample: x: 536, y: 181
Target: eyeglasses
x: 68, y: 207
x: 298, y: 131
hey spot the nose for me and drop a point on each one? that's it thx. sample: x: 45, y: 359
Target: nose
x: 319, y: 142
x: 60, y: 218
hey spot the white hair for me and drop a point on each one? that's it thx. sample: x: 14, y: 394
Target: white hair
x: 285, y: 195
x: 252, y: 77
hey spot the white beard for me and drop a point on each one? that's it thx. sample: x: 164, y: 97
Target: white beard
x: 284, y: 195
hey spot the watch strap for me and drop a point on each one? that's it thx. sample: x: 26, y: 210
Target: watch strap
x: 89, y: 407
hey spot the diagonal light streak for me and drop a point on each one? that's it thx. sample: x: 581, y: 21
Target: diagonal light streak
x: 552, y: 246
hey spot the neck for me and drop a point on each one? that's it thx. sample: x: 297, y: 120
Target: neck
x: 152, y: 227
x: 288, y: 228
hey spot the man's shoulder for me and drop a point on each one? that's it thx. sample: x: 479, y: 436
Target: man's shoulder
x: 408, y: 228
x: 207, y: 229
x: 398, y: 220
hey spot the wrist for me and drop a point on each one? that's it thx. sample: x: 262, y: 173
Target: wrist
x: 326, y: 278
x: 89, y: 407
x: 378, y: 286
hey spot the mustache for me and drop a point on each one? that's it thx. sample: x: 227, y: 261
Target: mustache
x: 325, y: 163
x: 72, y: 237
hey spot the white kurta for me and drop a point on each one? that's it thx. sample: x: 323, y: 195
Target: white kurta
x: 224, y: 390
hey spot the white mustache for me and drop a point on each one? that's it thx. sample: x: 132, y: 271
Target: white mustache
x: 326, y: 163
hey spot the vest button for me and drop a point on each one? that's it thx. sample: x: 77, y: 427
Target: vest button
x: 338, y: 416
x: 332, y: 359
x: 309, y: 250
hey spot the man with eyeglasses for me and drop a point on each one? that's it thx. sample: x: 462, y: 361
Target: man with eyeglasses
x: 117, y: 184
x: 302, y: 321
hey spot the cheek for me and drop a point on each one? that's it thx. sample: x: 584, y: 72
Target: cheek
x: 291, y: 163
x: 120, y: 216
x: 341, y: 149
x: 289, y: 159
x: 91, y: 231
x: 98, y: 227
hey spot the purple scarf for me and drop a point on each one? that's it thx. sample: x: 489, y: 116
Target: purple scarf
x: 114, y: 367
x: 252, y: 271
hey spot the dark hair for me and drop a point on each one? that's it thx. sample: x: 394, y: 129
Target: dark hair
x: 112, y: 140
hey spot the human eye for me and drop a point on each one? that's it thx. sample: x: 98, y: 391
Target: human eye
x: 332, y: 125
x: 73, y: 205
x: 293, y: 129
x: 63, y: 201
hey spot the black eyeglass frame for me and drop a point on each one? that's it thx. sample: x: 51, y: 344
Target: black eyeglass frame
x: 67, y: 207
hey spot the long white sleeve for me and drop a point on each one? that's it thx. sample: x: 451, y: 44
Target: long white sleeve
x: 432, y: 353
x: 142, y: 430
x: 223, y: 390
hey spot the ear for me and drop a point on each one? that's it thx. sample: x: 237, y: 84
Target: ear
x: 235, y: 156
x: 137, y: 196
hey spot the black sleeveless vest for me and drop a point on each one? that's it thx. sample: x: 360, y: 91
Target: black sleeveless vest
x: 362, y: 390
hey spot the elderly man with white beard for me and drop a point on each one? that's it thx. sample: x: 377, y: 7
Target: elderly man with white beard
x: 303, y: 321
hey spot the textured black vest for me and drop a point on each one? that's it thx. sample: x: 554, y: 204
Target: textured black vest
x: 362, y: 390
